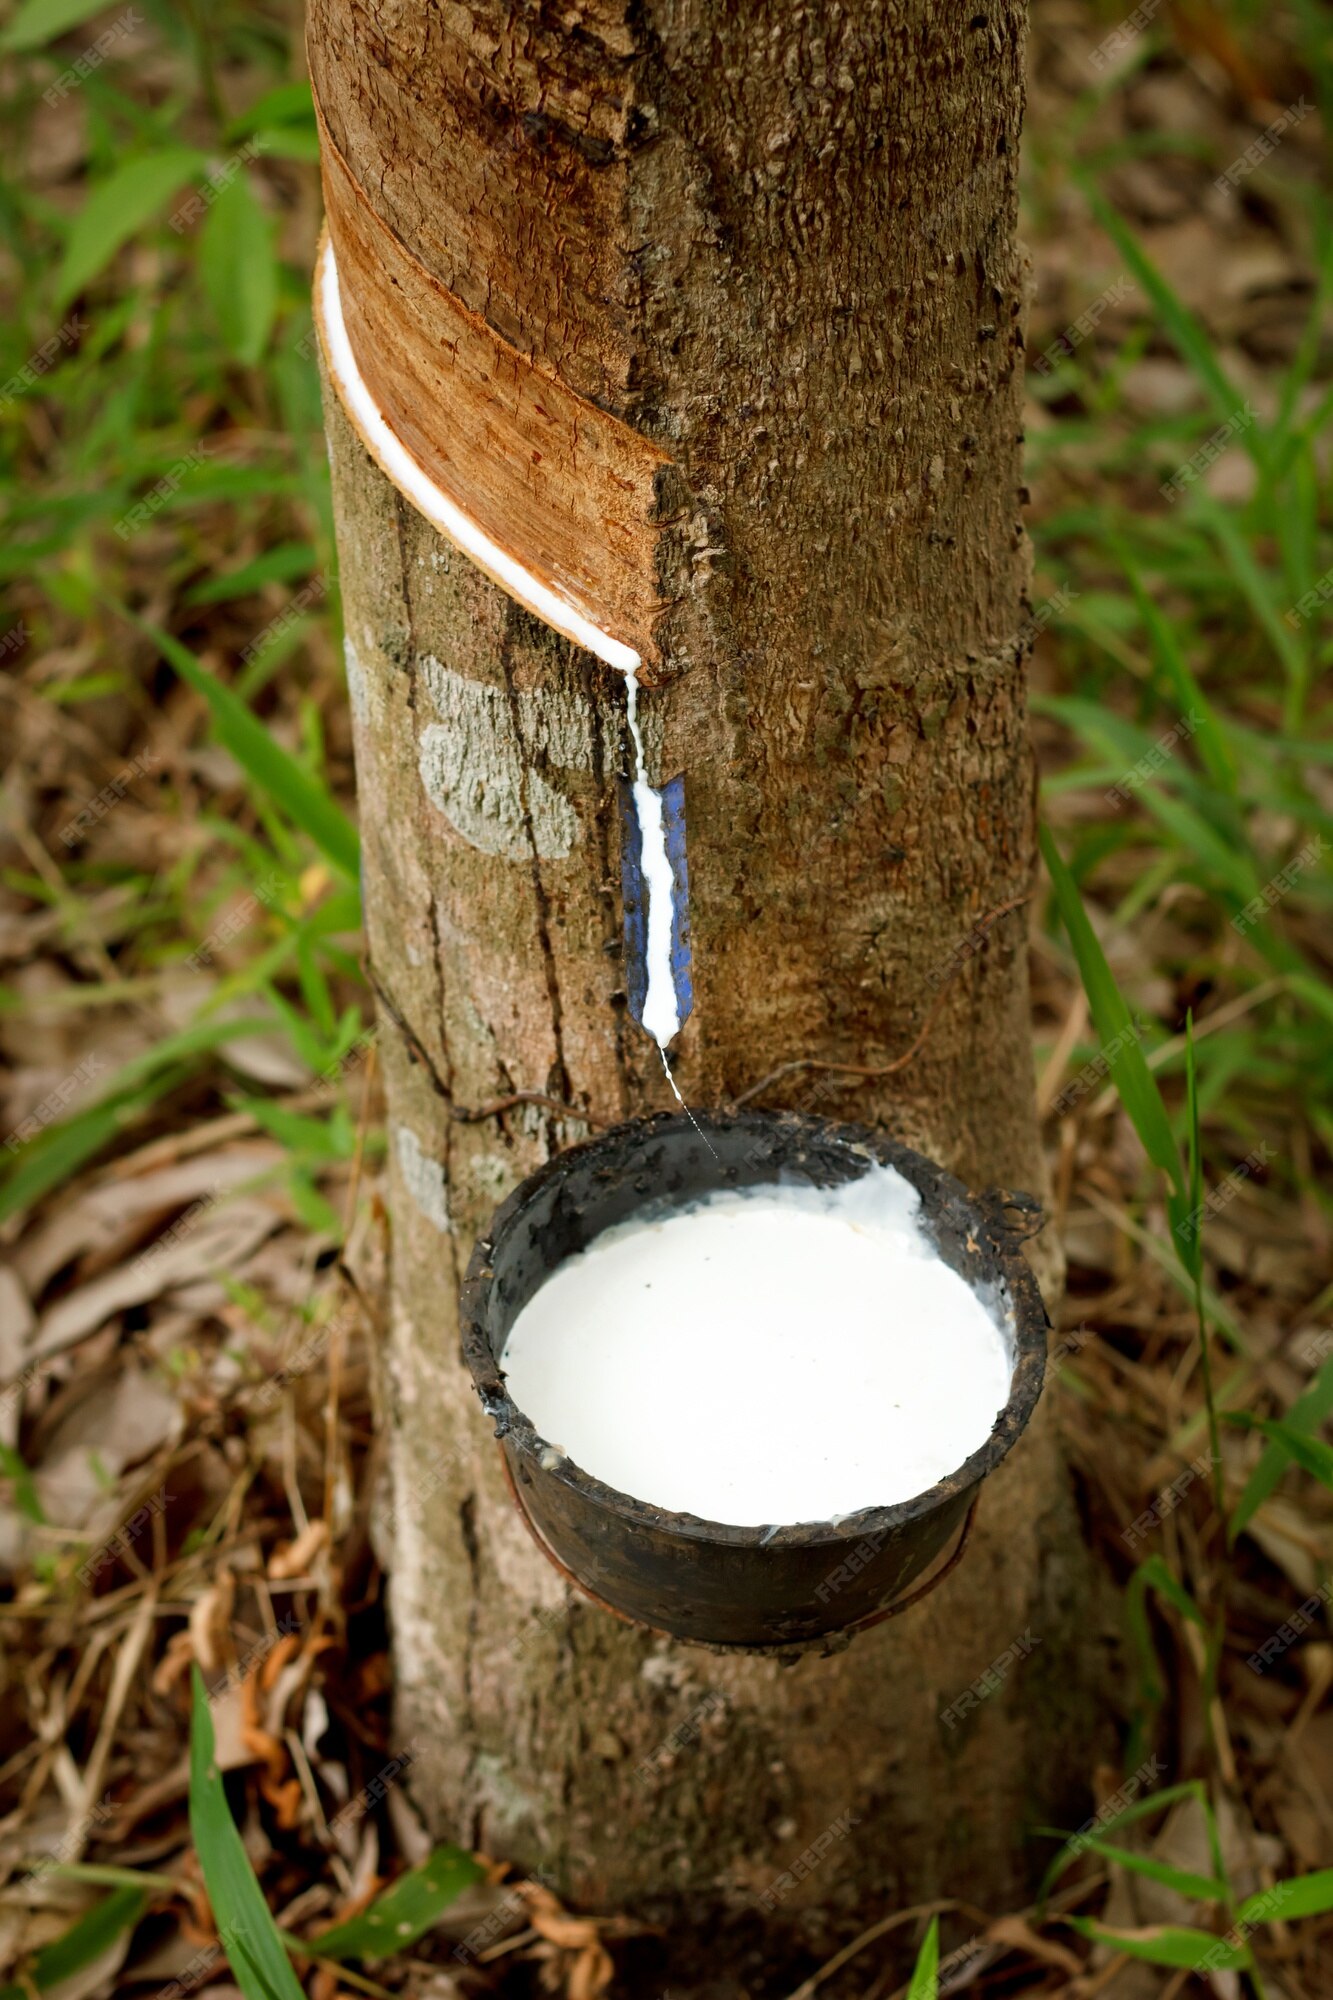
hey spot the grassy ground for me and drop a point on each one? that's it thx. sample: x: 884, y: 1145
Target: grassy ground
x: 190, y: 1111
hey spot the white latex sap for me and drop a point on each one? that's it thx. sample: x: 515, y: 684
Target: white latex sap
x: 661, y: 1013
x: 779, y: 1355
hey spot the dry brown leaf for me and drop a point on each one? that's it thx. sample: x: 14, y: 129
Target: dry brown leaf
x: 591, y: 1973
x: 108, y: 1219
x: 294, y: 1558
x: 174, y: 1664
x: 210, y: 1622
x: 199, y: 1244
x: 1300, y: 1548
x: 107, y: 1431
x: 1020, y: 1936
x: 233, y: 1750
x: 551, y: 1920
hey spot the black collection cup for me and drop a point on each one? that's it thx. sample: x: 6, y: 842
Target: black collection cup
x: 785, y: 1585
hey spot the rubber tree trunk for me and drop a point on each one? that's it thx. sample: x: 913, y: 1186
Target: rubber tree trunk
x: 768, y: 251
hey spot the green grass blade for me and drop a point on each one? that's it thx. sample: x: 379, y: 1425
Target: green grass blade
x: 59, y: 1151
x: 1154, y: 1575
x: 1191, y: 1255
x: 239, y: 269
x: 1199, y: 1888
x: 82, y: 1944
x: 267, y: 764
x: 1167, y: 1944
x: 1133, y: 1079
x: 117, y: 209
x: 109, y: 1877
x: 283, y: 564
x: 1074, y: 1843
x: 1258, y: 593
x: 1311, y: 1454
x: 14, y: 1468
x: 1303, y: 1896
x: 409, y: 1908
x: 1214, y: 750
x: 1191, y: 340
x: 1305, y: 1415
x: 246, y: 1928
x: 926, y: 1973
x: 38, y: 22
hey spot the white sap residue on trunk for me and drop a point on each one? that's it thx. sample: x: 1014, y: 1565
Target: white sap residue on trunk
x: 777, y: 1355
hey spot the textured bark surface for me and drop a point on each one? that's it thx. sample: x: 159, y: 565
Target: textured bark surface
x: 779, y: 242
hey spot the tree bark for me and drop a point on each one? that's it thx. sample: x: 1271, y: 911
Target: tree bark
x: 776, y: 244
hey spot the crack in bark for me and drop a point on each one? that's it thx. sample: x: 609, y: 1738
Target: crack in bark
x: 976, y: 937
x: 605, y: 816
x: 470, y: 1114
x: 541, y: 904
x: 437, y: 953
x: 467, y: 1522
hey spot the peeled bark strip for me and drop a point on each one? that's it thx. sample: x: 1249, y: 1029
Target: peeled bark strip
x: 779, y: 244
